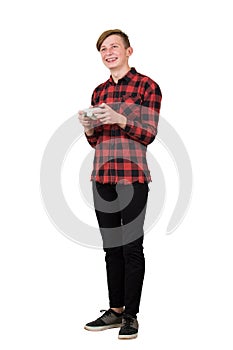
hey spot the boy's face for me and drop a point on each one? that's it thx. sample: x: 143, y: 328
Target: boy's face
x: 113, y: 52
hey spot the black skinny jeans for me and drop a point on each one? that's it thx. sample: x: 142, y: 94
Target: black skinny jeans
x: 120, y: 211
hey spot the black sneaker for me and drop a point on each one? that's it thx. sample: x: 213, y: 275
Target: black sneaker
x: 110, y: 319
x: 129, y: 328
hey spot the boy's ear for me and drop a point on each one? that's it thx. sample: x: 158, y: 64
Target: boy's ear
x: 129, y: 51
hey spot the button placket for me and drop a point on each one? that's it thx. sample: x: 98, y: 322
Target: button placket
x: 112, y: 134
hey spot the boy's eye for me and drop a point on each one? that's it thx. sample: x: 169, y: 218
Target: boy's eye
x: 102, y: 49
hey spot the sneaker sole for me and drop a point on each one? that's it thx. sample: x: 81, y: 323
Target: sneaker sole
x: 125, y: 337
x: 102, y: 328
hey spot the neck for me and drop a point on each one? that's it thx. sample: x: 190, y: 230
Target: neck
x: 119, y: 73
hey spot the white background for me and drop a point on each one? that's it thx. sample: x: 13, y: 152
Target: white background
x: 50, y: 286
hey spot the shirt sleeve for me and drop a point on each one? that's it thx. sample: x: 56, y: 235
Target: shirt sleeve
x: 92, y: 140
x: 143, y: 127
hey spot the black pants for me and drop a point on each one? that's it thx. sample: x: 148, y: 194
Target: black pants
x: 120, y: 211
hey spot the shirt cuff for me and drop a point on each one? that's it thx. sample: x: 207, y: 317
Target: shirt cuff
x: 129, y: 126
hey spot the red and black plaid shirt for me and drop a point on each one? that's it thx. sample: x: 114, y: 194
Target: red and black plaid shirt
x: 120, y: 154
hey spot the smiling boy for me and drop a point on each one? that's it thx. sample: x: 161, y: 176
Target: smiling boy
x: 126, y: 124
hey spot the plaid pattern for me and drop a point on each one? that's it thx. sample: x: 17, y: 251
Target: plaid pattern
x: 120, y: 154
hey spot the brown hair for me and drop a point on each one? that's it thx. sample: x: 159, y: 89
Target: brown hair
x: 109, y: 32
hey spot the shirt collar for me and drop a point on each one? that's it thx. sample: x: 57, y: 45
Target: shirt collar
x: 126, y: 77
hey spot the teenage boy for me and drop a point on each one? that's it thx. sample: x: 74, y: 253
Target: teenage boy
x: 127, y: 118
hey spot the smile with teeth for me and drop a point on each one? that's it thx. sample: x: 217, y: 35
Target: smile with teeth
x: 112, y: 59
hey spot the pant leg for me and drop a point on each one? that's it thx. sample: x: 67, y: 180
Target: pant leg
x: 133, y: 217
x: 113, y: 255
x: 134, y: 275
x: 115, y: 268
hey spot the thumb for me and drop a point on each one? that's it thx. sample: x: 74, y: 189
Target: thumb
x: 102, y: 105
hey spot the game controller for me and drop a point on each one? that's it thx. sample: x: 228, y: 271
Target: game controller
x: 90, y: 112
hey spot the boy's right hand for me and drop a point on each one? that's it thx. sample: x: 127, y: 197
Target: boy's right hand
x: 86, y: 122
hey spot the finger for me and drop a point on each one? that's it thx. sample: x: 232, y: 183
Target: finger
x: 101, y: 115
x: 103, y: 105
x: 84, y: 119
x: 104, y: 120
x: 99, y: 111
x: 81, y: 119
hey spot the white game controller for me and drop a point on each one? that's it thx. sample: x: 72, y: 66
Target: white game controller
x: 90, y: 112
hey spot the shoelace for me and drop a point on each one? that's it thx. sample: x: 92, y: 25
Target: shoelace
x: 106, y: 313
x: 127, y: 321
